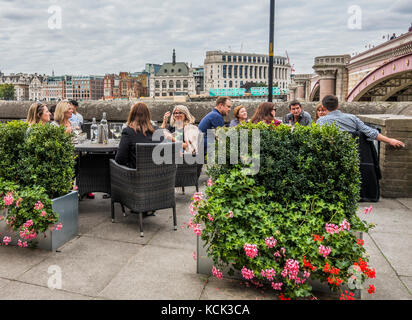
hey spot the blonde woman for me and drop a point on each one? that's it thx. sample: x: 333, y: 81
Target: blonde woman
x: 182, y: 128
x: 38, y: 113
x: 63, y: 113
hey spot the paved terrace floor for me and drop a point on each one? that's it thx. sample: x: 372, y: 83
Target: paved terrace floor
x: 111, y: 261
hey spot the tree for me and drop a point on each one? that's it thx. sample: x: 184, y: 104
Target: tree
x: 6, y: 91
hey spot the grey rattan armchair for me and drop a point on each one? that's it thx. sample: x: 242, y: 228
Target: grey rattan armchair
x: 188, y: 175
x: 146, y: 188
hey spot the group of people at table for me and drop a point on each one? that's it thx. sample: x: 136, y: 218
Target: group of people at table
x: 181, y: 127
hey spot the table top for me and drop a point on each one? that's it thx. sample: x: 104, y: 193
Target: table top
x: 87, y: 146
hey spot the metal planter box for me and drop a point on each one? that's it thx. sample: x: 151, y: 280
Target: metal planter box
x: 67, y: 207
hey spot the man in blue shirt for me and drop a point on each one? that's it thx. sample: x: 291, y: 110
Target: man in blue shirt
x: 350, y: 122
x: 214, y: 119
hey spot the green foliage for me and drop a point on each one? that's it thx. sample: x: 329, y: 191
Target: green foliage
x: 6, y: 92
x: 316, y: 160
x: 11, y: 145
x: 308, y: 177
x: 47, y: 159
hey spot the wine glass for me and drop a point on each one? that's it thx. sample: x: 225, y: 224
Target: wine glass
x: 76, y: 130
x: 116, y: 130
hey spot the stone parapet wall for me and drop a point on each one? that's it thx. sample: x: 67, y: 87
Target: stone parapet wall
x: 119, y: 110
x: 396, y: 164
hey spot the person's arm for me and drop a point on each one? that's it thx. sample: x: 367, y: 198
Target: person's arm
x: 393, y: 142
x: 165, y: 118
x: 122, y: 155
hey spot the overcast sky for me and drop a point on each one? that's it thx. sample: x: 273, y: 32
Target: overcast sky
x: 108, y: 36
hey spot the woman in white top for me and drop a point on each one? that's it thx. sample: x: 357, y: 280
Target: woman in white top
x: 182, y: 128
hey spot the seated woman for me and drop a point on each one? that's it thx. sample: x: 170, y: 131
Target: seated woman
x: 63, y: 113
x: 182, y: 129
x: 139, y: 129
x: 38, y: 113
x: 240, y: 114
x: 320, y: 112
x: 266, y: 112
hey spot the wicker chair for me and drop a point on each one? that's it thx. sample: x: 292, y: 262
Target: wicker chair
x: 188, y: 175
x: 146, y: 188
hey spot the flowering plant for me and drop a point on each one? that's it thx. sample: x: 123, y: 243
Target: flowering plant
x: 27, y: 211
x: 247, y: 226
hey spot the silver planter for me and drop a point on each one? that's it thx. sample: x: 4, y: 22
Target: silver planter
x: 67, y: 207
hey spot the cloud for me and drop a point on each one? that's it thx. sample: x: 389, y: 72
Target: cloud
x: 108, y: 36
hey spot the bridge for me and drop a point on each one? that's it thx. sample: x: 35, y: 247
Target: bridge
x: 383, y: 73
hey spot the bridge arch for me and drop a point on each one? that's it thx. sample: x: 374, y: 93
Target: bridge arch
x: 315, y: 94
x: 390, y: 81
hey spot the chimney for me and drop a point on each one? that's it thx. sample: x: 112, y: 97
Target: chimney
x: 174, y: 57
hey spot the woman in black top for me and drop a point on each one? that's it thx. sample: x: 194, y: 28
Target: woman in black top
x: 139, y: 130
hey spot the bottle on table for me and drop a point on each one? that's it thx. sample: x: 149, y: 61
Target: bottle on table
x: 94, y: 131
x: 105, y: 129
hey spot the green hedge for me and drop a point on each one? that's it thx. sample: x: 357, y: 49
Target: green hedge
x: 309, y: 177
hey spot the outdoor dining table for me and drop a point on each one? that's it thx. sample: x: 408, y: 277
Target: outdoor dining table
x: 93, y: 169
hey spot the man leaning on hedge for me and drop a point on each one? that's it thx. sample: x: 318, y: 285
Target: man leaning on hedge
x: 350, y: 122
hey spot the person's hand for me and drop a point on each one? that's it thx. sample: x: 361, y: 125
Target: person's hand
x: 396, y: 143
x: 166, y: 116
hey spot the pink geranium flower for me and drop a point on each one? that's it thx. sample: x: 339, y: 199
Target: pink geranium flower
x: 38, y: 205
x: 6, y: 240
x: 8, y: 199
x: 250, y: 250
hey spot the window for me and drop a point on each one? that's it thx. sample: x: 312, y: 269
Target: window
x: 178, y: 84
x: 254, y: 59
x: 229, y: 58
x: 171, y: 84
x: 224, y: 71
x: 230, y: 84
x: 240, y: 71
x: 249, y: 59
x: 239, y: 59
x: 164, y: 84
x: 258, y: 59
x: 235, y: 71
x: 230, y: 72
x: 234, y: 58
x: 185, y: 84
x: 223, y: 58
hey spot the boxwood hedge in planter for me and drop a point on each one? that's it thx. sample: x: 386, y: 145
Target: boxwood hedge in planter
x: 295, y: 219
x: 41, y: 171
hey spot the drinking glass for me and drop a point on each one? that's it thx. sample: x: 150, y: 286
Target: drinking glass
x: 116, y: 130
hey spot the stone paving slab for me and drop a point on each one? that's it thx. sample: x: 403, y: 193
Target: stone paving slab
x: 14, y: 261
x: 4, y: 282
x: 387, y: 284
x: 23, y: 291
x: 157, y: 273
x: 407, y: 281
x: 87, y: 265
x: 407, y: 202
x: 397, y: 248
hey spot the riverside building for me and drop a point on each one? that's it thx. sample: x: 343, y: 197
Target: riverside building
x: 233, y: 70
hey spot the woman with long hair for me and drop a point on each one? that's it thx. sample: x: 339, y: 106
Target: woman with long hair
x: 63, y: 113
x: 320, y: 112
x: 182, y: 128
x: 139, y: 129
x: 266, y: 112
x: 38, y: 113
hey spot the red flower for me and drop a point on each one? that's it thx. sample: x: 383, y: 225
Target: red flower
x: 282, y: 297
x: 360, y: 242
x: 371, y: 289
x: 338, y: 282
x: 317, y: 238
x: 370, y: 273
x: 347, y: 296
x: 326, y: 268
x: 335, y: 271
x: 331, y: 280
x: 308, y: 264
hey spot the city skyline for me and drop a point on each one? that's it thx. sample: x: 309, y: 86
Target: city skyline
x: 100, y: 37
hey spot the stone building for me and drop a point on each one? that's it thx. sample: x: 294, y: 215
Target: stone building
x: 84, y: 87
x: 172, y: 78
x: 233, y: 70
x: 35, y: 87
x: 125, y: 85
x: 54, y: 88
x: 21, y: 82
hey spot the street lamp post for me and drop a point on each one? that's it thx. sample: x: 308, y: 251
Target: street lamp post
x: 271, y: 48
